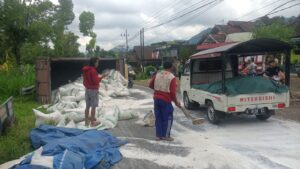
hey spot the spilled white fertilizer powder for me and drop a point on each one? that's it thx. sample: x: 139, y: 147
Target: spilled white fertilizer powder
x: 240, y: 145
x: 203, y: 153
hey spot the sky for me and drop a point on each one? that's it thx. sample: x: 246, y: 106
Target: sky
x: 113, y: 17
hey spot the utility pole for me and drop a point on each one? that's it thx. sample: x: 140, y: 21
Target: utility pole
x: 142, y: 45
x: 126, y: 41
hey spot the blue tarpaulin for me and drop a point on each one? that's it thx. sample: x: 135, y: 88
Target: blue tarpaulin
x: 75, y: 148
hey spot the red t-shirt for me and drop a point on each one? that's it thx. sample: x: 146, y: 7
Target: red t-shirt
x: 167, y: 97
x: 91, y: 79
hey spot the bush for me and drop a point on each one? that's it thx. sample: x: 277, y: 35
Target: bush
x: 141, y: 76
x: 13, y: 80
x: 149, y: 69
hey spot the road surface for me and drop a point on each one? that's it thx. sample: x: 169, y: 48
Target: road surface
x: 239, y: 142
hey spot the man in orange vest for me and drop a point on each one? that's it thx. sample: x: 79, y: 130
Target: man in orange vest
x: 164, y: 85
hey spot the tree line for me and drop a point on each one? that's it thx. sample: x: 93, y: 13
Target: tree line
x: 34, y: 28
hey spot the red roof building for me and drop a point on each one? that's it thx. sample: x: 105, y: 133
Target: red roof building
x: 218, y: 34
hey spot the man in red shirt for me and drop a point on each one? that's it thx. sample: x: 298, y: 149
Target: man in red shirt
x: 164, y: 85
x: 91, y: 81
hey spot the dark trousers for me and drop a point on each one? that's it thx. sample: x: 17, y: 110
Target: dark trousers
x: 163, y: 118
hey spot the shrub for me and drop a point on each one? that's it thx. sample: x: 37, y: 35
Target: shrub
x: 149, y: 69
x: 141, y: 76
x: 13, y: 80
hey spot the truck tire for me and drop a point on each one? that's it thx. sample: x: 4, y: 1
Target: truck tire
x: 212, y: 115
x: 265, y: 116
x: 187, y: 103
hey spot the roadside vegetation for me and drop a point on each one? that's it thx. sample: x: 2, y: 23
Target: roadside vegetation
x: 15, y: 142
x: 13, y: 79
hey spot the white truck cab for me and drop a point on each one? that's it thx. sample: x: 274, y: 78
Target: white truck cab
x: 211, y: 78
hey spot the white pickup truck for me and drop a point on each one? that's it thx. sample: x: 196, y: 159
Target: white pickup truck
x: 211, y: 79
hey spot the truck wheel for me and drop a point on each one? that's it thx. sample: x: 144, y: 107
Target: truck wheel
x: 187, y: 103
x: 212, y: 114
x: 265, y: 116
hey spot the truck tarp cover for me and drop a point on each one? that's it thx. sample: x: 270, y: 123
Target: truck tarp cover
x: 244, y: 85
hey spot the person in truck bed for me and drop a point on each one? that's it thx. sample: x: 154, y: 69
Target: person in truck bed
x: 250, y: 69
x: 164, y: 85
x: 275, y: 72
x: 91, y: 81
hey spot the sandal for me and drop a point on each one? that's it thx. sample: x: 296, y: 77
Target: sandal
x: 87, y: 123
x: 158, y: 139
x: 168, y: 138
x: 95, y: 123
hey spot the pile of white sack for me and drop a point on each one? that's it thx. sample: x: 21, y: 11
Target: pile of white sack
x: 68, y: 106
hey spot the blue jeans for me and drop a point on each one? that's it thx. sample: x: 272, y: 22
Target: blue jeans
x: 163, y: 118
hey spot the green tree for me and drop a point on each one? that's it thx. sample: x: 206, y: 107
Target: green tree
x: 277, y: 30
x: 86, y: 24
x: 25, y: 24
x: 67, y: 45
x: 185, y: 52
x: 97, y: 51
x: 64, y: 14
x: 14, y: 29
x: 63, y: 17
x: 40, y: 18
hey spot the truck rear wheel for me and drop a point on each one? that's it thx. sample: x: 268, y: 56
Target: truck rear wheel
x: 212, y: 115
x: 187, y: 103
x: 266, y: 115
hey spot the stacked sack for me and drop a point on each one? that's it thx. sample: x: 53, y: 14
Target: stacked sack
x: 68, y: 105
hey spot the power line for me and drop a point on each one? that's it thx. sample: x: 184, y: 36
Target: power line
x: 274, y: 12
x: 136, y: 35
x: 161, y: 11
x: 255, y: 10
x: 284, y: 9
x: 190, y: 18
x: 180, y: 16
x: 280, y: 6
x: 182, y: 10
x: 212, y: 3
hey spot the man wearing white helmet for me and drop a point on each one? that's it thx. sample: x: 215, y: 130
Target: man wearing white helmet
x: 251, y: 67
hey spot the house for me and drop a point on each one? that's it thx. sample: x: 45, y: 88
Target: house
x: 223, y: 34
x: 169, y: 50
x: 150, y: 57
x: 155, y: 54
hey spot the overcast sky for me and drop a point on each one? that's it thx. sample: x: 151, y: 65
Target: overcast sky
x: 112, y: 17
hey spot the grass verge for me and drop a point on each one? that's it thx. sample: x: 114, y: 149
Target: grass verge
x: 15, y: 142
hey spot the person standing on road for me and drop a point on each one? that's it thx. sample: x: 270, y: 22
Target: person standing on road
x: 180, y: 70
x: 164, y: 85
x: 91, y: 81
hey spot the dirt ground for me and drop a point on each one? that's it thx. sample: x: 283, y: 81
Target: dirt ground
x: 290, y: 113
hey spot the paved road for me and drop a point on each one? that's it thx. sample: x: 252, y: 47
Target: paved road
x: 238, y: 142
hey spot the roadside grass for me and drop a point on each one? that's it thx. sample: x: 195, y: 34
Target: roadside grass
x: 13, y: 80
x: 15, y: 141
